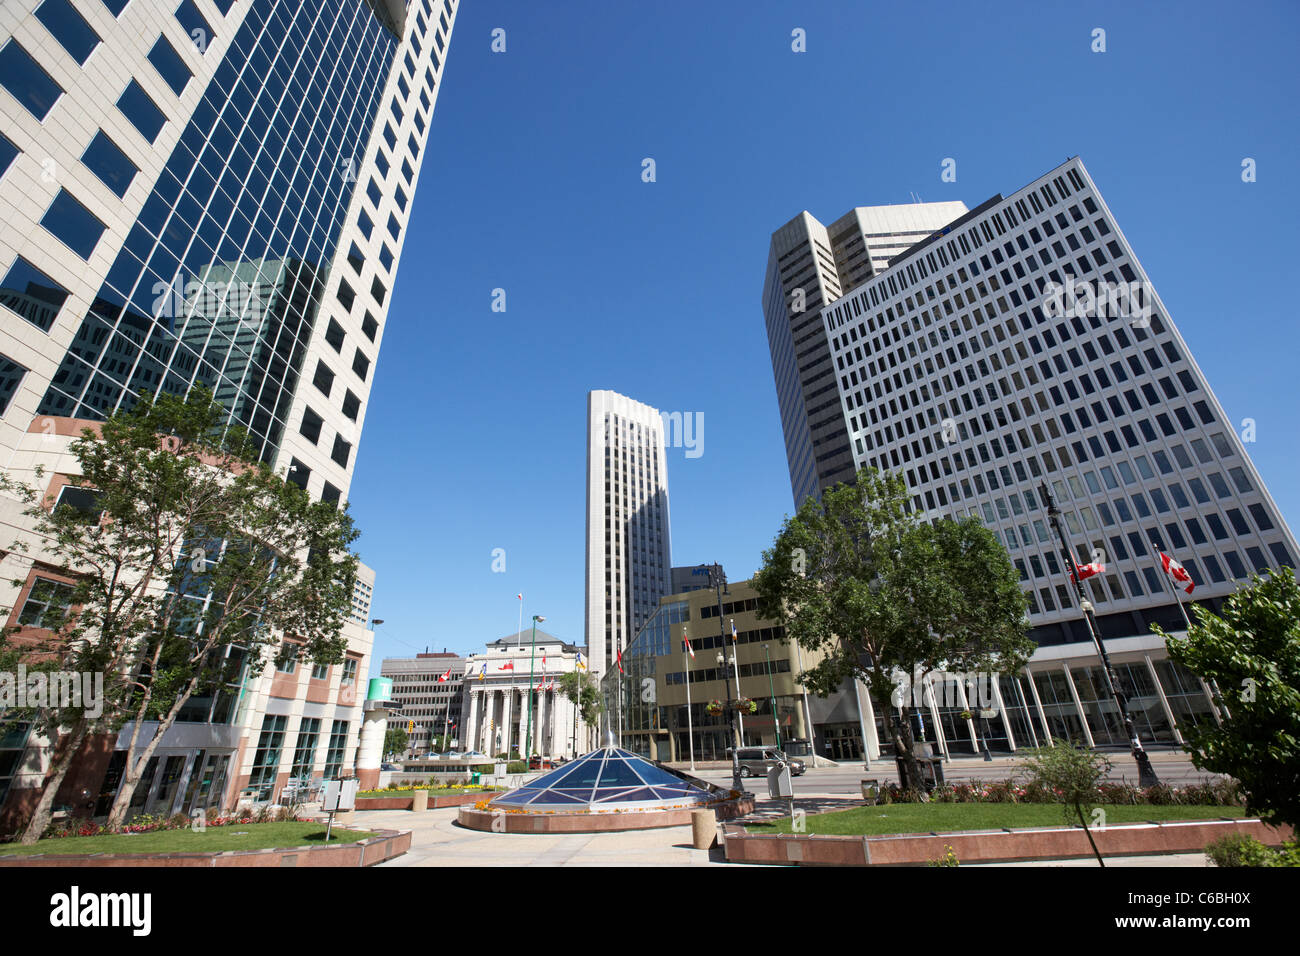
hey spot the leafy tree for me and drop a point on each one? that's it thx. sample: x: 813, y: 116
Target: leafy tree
x: 881, y: 594
x: 395, y: 740
x: 1073, y: 774
x: 192, y: 563
x: 580, y: 688
x: 1251, y: 649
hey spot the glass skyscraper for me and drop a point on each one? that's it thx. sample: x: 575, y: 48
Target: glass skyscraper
x: 206, y: 193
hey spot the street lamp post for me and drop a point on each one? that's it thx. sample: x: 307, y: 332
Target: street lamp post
x: 528, y: 739
x: 732, y: 709
x: 771, y: 692
x: 1146, y: 773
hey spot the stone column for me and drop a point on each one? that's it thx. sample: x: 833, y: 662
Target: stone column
x: 1164, y: 701
x: 1078, y: 706
x: 507, y: 707
x: 471, y: 728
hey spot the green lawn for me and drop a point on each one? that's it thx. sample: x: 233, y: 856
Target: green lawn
x: 239, y: 836
x: 941, y: 817
x: 433, y: 791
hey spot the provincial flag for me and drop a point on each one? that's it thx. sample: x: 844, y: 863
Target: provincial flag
x: 734, y: 639
x: 1177, y: 572
x: 689, y: 650
x: 582, y: 662
x: 1088, y: 570
x: 482, y: 673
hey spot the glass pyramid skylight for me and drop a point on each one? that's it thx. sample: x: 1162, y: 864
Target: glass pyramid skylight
x: 604, y: 779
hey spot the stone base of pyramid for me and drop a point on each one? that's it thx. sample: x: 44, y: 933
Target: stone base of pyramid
x: 597, y: 821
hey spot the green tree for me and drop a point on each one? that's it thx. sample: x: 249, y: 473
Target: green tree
x: 1073, y: 774
x: 885, y: 597
x: 192, y: 564
x: 395, y: 740
x: 1251, y: 650
x: 580, y: 688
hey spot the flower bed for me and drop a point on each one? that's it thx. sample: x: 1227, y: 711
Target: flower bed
x: 147, y: 823
x: 1219, y: 793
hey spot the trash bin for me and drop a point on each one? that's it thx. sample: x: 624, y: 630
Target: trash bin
x: 475, y: 777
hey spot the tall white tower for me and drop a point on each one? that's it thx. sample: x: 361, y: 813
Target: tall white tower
x: 629, y: 563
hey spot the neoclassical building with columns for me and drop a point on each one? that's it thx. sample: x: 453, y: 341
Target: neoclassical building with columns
x: 497, y: 700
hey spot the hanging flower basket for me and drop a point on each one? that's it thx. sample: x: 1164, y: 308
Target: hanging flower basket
x: 713, y: 708
x: 744, y: 705
x: 966, y: 715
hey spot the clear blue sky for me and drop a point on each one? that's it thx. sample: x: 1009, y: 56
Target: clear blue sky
x: 475, y: 436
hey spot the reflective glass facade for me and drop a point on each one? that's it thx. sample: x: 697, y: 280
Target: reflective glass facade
x: 221, y: 277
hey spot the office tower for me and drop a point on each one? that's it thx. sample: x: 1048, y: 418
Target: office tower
x: 808, y: 265
x: 211, y: 193
x: 1024, y: 343
x: 628, y: 553
x: 429, y: 687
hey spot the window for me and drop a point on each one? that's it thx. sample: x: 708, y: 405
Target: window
x: 8, y: 153
x: 32, y: 294
x: 365, y: 224
x: 85, y: 500
x: 288, y: 659
x: 369, y: 326
x: 299, y: 474
x: 342, y: 451
x: 349, y: 672
x: 334, y: 335
x: 188, y: 16
x: 351, y: 406
x: 355, y: 259
x: 323, y: 379
x: 337, y: 746
x: 346, y: 294
x: 144, y: 114
x: 377, y: 291
x: 27, y: 81
x: 386, y: 257
x: 11, y: 376
x: 407, y: 171
x: 361, y: 365
x: 311, y: 425
x: 304, y: 754
x: 266, y: 763
x: 320, y: 671
x: 374, y: 193
x: 394, y: 227
x: 73, y: 224
x: 47, y: 603
x: 170, y: 66
x: 103, y: 158
x: 68, y: 27
x: 330, y: 494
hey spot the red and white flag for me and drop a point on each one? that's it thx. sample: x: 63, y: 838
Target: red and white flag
x: 1088, y: 570
x: 520, y: 596
x: 507, y: 666
x: 620, y: 660
x: 446, y: 676
x: 1177, y: 572
x: 689, y: 650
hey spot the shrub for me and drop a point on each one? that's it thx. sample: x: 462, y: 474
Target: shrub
x: 948, y: 859
x: 1240, y: 849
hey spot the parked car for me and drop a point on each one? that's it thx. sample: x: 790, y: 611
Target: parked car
x: 540, y: 763
x: 389, y: 766
x: 759, y: 760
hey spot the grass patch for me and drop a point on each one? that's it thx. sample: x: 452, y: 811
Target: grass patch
x: 945, y: 817
x: 237, y: 836
x: 433, y: 791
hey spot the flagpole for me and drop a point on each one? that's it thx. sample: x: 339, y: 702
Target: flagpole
x: 690, y: 724
x: 1214, y: 685
x: 1146, y: 773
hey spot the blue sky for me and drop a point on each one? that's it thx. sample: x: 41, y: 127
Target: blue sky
x: 475, y: 435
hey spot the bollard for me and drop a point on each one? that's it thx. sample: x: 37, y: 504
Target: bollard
x: 704, y: 829
x: 421, y: 800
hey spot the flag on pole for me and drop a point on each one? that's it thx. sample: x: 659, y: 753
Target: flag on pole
x: 1088, y: 570
x: 507, y: 666
x: 482, y: 672
x: 582, y: 662
x: 689, y: 650
x: 520, y: 596
x: 620, y: 660
x: 734, y: 639
x: 1177, y: 573
x: 445, y: 677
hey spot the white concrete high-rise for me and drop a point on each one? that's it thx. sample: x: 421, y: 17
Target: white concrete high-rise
x: 808, y: 265
x: 629, y: 561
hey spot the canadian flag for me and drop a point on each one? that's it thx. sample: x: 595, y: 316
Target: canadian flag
x: 507, y: 666
x: 1177, y: 572
x: 1088, y: 570
x: 620, y: 660
x: 689, y: 650
x: 446, y: 676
